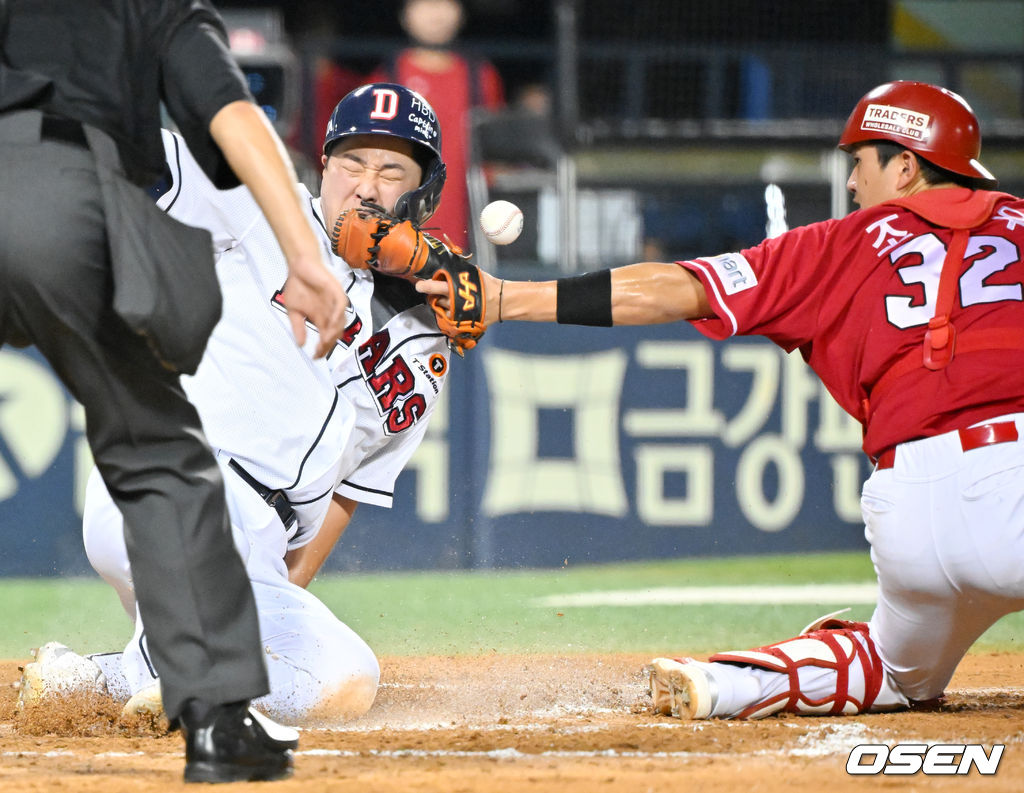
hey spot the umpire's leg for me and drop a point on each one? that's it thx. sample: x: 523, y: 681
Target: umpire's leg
x: 191, y: 586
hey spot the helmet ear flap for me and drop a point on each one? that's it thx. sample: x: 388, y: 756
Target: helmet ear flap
x: 419, y: 204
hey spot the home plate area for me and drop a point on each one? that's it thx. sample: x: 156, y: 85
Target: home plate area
x: 572, y: 724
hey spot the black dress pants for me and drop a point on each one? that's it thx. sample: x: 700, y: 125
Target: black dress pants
x: 56, y: 292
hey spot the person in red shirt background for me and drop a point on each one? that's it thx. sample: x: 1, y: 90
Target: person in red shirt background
x: 454, y: 82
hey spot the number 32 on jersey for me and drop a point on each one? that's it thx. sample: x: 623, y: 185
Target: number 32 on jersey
x: 991, y: 254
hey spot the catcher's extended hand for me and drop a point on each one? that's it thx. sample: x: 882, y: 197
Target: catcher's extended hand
x: 461, y: 314
x: 368, y: 237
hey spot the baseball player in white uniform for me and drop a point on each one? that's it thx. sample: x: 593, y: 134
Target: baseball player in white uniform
x: 301, y: 441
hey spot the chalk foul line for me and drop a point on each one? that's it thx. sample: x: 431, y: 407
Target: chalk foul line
x: 829, y: 594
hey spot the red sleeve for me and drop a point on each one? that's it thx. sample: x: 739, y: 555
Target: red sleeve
x: 773, y: 289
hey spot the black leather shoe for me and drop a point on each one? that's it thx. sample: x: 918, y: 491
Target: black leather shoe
x: 231, y: 743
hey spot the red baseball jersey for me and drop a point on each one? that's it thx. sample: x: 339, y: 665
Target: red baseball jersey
x: 856, y: 295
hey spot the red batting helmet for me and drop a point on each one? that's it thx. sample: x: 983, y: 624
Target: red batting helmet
x: 933, y: 122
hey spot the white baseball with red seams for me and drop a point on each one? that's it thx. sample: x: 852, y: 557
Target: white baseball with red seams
x: 501, y: 222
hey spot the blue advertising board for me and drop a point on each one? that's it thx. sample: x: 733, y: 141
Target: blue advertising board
x: 554, y: 445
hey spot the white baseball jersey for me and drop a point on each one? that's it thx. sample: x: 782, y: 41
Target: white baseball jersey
x: 309, y: 427
x: 345, y: 424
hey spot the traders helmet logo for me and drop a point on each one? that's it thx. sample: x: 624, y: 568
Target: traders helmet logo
x: 896, y: 121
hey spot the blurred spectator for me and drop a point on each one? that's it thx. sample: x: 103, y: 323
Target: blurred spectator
x: 329, y: 83
x: 315, y: 24
x: 453, y: 81
x: 534, y: 99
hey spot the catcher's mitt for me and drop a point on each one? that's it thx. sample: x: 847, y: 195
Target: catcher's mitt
x: 463, y: 321
x: 369, y: 237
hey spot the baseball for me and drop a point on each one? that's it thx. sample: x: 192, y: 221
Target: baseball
x: 502, y: 222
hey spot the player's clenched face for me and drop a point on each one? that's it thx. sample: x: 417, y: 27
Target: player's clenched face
x: 373, y: 168
x: 869, y: 182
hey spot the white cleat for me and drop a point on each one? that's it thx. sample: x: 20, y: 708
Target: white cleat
x: 59, y: 671
x: 146, y: 701
x: 680, y: 688
x: 278, y: 733
x: 149, y: 702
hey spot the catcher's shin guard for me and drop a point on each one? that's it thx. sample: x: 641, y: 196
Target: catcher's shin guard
x: 831, y: 644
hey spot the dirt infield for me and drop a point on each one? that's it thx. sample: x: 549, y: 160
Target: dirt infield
x: 502, y: 724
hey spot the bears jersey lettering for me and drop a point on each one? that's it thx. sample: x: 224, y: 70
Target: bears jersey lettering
x: 362, y: 437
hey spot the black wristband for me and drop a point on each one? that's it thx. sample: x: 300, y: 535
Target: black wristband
x: 585, y: 299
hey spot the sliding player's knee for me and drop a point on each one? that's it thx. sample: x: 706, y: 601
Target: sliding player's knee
x: 347, y: 697
x: 330, y: 678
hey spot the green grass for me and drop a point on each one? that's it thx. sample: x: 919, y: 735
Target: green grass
x: 471, y: 612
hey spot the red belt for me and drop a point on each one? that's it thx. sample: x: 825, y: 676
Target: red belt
x: 970, y: 438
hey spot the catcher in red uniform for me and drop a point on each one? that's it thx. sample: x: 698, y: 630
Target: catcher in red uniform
x: 911, y: 312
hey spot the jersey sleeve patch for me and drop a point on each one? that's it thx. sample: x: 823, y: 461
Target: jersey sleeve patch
x: 733, y: 271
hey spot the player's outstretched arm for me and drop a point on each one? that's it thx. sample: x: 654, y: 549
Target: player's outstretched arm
x: 257, y: 156
x: 647, y: 293
x: 305, y: 562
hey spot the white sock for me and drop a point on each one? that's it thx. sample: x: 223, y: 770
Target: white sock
x: 738, y: 687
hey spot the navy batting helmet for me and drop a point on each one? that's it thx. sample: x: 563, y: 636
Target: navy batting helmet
x: 394, y: 110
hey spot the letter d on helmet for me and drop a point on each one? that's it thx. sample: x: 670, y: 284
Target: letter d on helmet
x: 393, y: 110
x: 934, y: 123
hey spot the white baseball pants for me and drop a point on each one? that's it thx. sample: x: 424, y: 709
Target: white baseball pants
x: 320, y: 670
